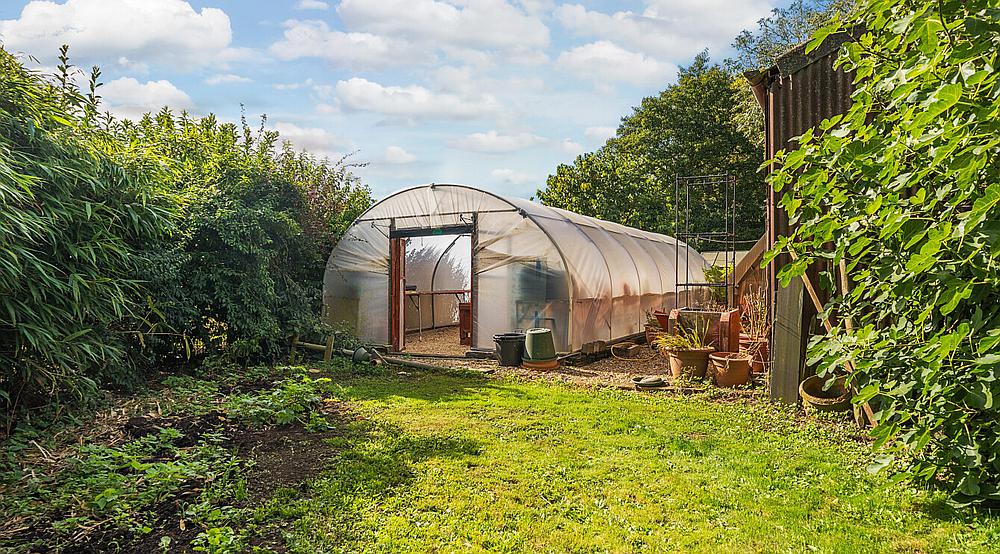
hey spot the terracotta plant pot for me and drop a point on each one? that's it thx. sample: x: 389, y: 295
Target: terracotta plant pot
x: 837, y: 398
x: 762, y: 356
x: 689, y: 363
x: 663, y: 318
x: 730, y: 369
x: 651, y: 332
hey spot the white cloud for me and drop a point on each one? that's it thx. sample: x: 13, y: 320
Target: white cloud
x: 491, y: 24
x: 410, y: 102
x: 396, y: 155
x: 599, y: 134
x: 407, y: 32
x: 132, y: 66
x: 572, y: 147
x: 293, y: 86
x: 315, y: 39
x: 507, y: 175
x: 136, y: 31
x: 127, y: 97
x: 537, y: 7
x: 227, y: 78
x: 493, y: 142
x: 312, y: 139
x: 668, y: 29
x: 603, y: 61
x: 311, y: 5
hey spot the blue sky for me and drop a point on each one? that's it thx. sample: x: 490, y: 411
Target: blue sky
x: 492, y: 93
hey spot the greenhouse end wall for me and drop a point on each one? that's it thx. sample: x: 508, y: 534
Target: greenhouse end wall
x: 530, y: 266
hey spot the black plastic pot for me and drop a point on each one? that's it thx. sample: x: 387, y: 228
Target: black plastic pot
x: 509, y: 348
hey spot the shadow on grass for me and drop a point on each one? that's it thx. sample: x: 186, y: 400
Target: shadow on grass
x: 375, y: 383
x: 374, y: 463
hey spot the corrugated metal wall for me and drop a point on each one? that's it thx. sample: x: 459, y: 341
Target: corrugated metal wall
x: 797, y: 93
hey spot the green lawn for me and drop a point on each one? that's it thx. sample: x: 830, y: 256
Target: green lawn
x: 355, y: 459
x: 441, y: 462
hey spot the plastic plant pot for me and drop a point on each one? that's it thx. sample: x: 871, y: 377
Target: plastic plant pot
x: 538, y: 345
x: 509, y: 348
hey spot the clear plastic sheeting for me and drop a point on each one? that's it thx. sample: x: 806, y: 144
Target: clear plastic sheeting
x: 531, y: 266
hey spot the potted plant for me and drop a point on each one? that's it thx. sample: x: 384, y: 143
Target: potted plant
x: 730, y: 369
x: 652, y: 327
x: 687, y: 349
x: 757, y: 324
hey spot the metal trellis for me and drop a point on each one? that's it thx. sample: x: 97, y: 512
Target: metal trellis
x: 709, y: 189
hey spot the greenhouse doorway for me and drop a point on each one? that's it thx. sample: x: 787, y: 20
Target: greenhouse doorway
x: 430, y: 293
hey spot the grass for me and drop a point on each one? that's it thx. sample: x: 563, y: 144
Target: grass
x: 444, y: 462
x: 459, y: 462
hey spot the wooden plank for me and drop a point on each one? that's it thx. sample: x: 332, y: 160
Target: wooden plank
x: 787, y: 359
x: 328, y: 351
x: 750, y: 261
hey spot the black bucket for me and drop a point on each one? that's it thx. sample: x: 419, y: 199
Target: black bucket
x: 509, y: 348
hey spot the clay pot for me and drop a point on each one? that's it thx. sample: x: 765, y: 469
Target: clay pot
x: 837, y: 398
x: 730, y: 369
x: 651, y: 332
x: 663, y: 318
x: 690, y: 363
x: 761, y: 357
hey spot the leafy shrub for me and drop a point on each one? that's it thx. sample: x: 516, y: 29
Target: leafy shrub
x: 245, y: 270
x: 128, y: 244
x: 74, y: 227
x: 904, y: 188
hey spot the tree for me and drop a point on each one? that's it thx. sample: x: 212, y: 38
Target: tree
x: 694, y: 127
x: 785, y: 28
x: 904, y: 189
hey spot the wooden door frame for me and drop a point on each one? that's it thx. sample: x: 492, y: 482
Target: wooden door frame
x: 397, y: 274
x: 397, y: 284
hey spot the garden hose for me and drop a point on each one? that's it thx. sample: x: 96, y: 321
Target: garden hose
x: 629, y: 344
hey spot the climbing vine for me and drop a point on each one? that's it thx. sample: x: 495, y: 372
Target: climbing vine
x: 904, y: 189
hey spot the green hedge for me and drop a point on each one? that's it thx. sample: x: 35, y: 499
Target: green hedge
x: 133, y: 245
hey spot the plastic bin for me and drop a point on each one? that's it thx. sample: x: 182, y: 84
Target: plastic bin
x: 509, y: 348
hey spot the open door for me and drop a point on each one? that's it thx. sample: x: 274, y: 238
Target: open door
x: 397, y: 292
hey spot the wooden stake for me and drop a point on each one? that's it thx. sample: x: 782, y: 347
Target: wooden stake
x: 328, y: 353
x: 844, y: 290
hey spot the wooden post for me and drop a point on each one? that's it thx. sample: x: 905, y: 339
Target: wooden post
x: 787, y: 361
x: 328, y: 353
x: 295, y: 344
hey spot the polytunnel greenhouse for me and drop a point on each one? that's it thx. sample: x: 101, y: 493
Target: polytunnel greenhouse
x: 437, y: 256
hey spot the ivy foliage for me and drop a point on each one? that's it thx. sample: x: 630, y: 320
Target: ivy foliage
x: 904, y: 189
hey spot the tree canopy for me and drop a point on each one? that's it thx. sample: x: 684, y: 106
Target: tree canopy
x: 694, y: 127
